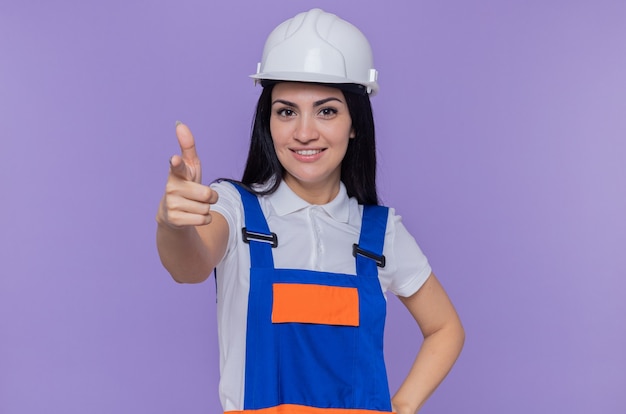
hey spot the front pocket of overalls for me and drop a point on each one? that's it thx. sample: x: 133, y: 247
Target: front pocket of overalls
x: 316, y: 304
x: 316, y: 327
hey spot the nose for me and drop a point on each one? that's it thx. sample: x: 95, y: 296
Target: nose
x: 306, y: 130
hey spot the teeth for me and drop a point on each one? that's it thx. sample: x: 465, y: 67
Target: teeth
x: 308, y: 152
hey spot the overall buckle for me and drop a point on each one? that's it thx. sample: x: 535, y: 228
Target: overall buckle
x: 271, y: 238
x: 379, y: 259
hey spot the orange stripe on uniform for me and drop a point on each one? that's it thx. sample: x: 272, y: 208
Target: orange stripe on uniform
x: 301, y: 409
x: 308, y: 303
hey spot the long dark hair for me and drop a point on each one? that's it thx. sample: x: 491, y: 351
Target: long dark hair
x: 358, y: 168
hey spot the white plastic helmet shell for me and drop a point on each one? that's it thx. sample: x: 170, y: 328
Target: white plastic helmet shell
x: 316, y: 46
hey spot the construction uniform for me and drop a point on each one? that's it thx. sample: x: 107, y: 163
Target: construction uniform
x: 312, y: 338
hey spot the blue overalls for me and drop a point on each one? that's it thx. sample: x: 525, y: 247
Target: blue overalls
x: 314, y: 339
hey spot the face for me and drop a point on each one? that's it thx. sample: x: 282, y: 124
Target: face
x: 311, y: 127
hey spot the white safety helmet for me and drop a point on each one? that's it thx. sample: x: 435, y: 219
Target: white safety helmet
x: 316, y: 46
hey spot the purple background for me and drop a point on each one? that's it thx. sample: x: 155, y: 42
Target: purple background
x: 502, y: 142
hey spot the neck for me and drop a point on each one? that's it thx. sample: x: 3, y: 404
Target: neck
x: 317, y: 194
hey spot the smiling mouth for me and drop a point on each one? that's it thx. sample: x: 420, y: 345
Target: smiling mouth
x: 308, y: 152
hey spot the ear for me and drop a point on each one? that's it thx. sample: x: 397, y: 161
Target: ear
x: 352, y: 133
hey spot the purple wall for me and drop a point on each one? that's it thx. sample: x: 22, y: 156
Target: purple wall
x: 502, y: 132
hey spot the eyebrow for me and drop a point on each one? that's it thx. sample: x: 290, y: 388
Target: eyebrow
x: 315, y: 104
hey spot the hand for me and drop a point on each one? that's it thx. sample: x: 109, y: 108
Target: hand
x: 186, y: 202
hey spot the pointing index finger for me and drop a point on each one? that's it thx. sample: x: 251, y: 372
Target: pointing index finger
x: 192, y: 170
x: 187, y: 143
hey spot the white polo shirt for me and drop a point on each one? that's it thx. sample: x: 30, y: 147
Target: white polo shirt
x: 310, y: 237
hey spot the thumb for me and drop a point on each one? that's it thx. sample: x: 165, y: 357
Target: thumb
x: 187, y: 165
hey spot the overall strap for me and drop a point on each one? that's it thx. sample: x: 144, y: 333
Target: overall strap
x: 256, y: 231
x: 369, y: 251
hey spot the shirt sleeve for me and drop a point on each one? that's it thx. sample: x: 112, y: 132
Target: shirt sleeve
x: 229, y: 205
x: 408, y: 267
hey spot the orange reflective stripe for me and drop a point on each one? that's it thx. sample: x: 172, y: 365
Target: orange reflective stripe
x: 307, y: 303
x: 301, y: 409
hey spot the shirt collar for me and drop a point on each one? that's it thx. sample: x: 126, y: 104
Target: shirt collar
x: 285, y: 201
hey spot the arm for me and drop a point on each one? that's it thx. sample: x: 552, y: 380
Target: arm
x: 191, y: 239
x: 191, y: 253
x: 443, y: 340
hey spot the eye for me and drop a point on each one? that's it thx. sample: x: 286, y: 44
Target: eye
x: 285, y: 112
x: 328, y: 112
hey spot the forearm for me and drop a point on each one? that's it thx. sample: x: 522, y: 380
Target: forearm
x: 183, y: 253
x: 434, y: 360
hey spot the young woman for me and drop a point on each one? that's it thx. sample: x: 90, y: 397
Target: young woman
x: 303, y: 253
